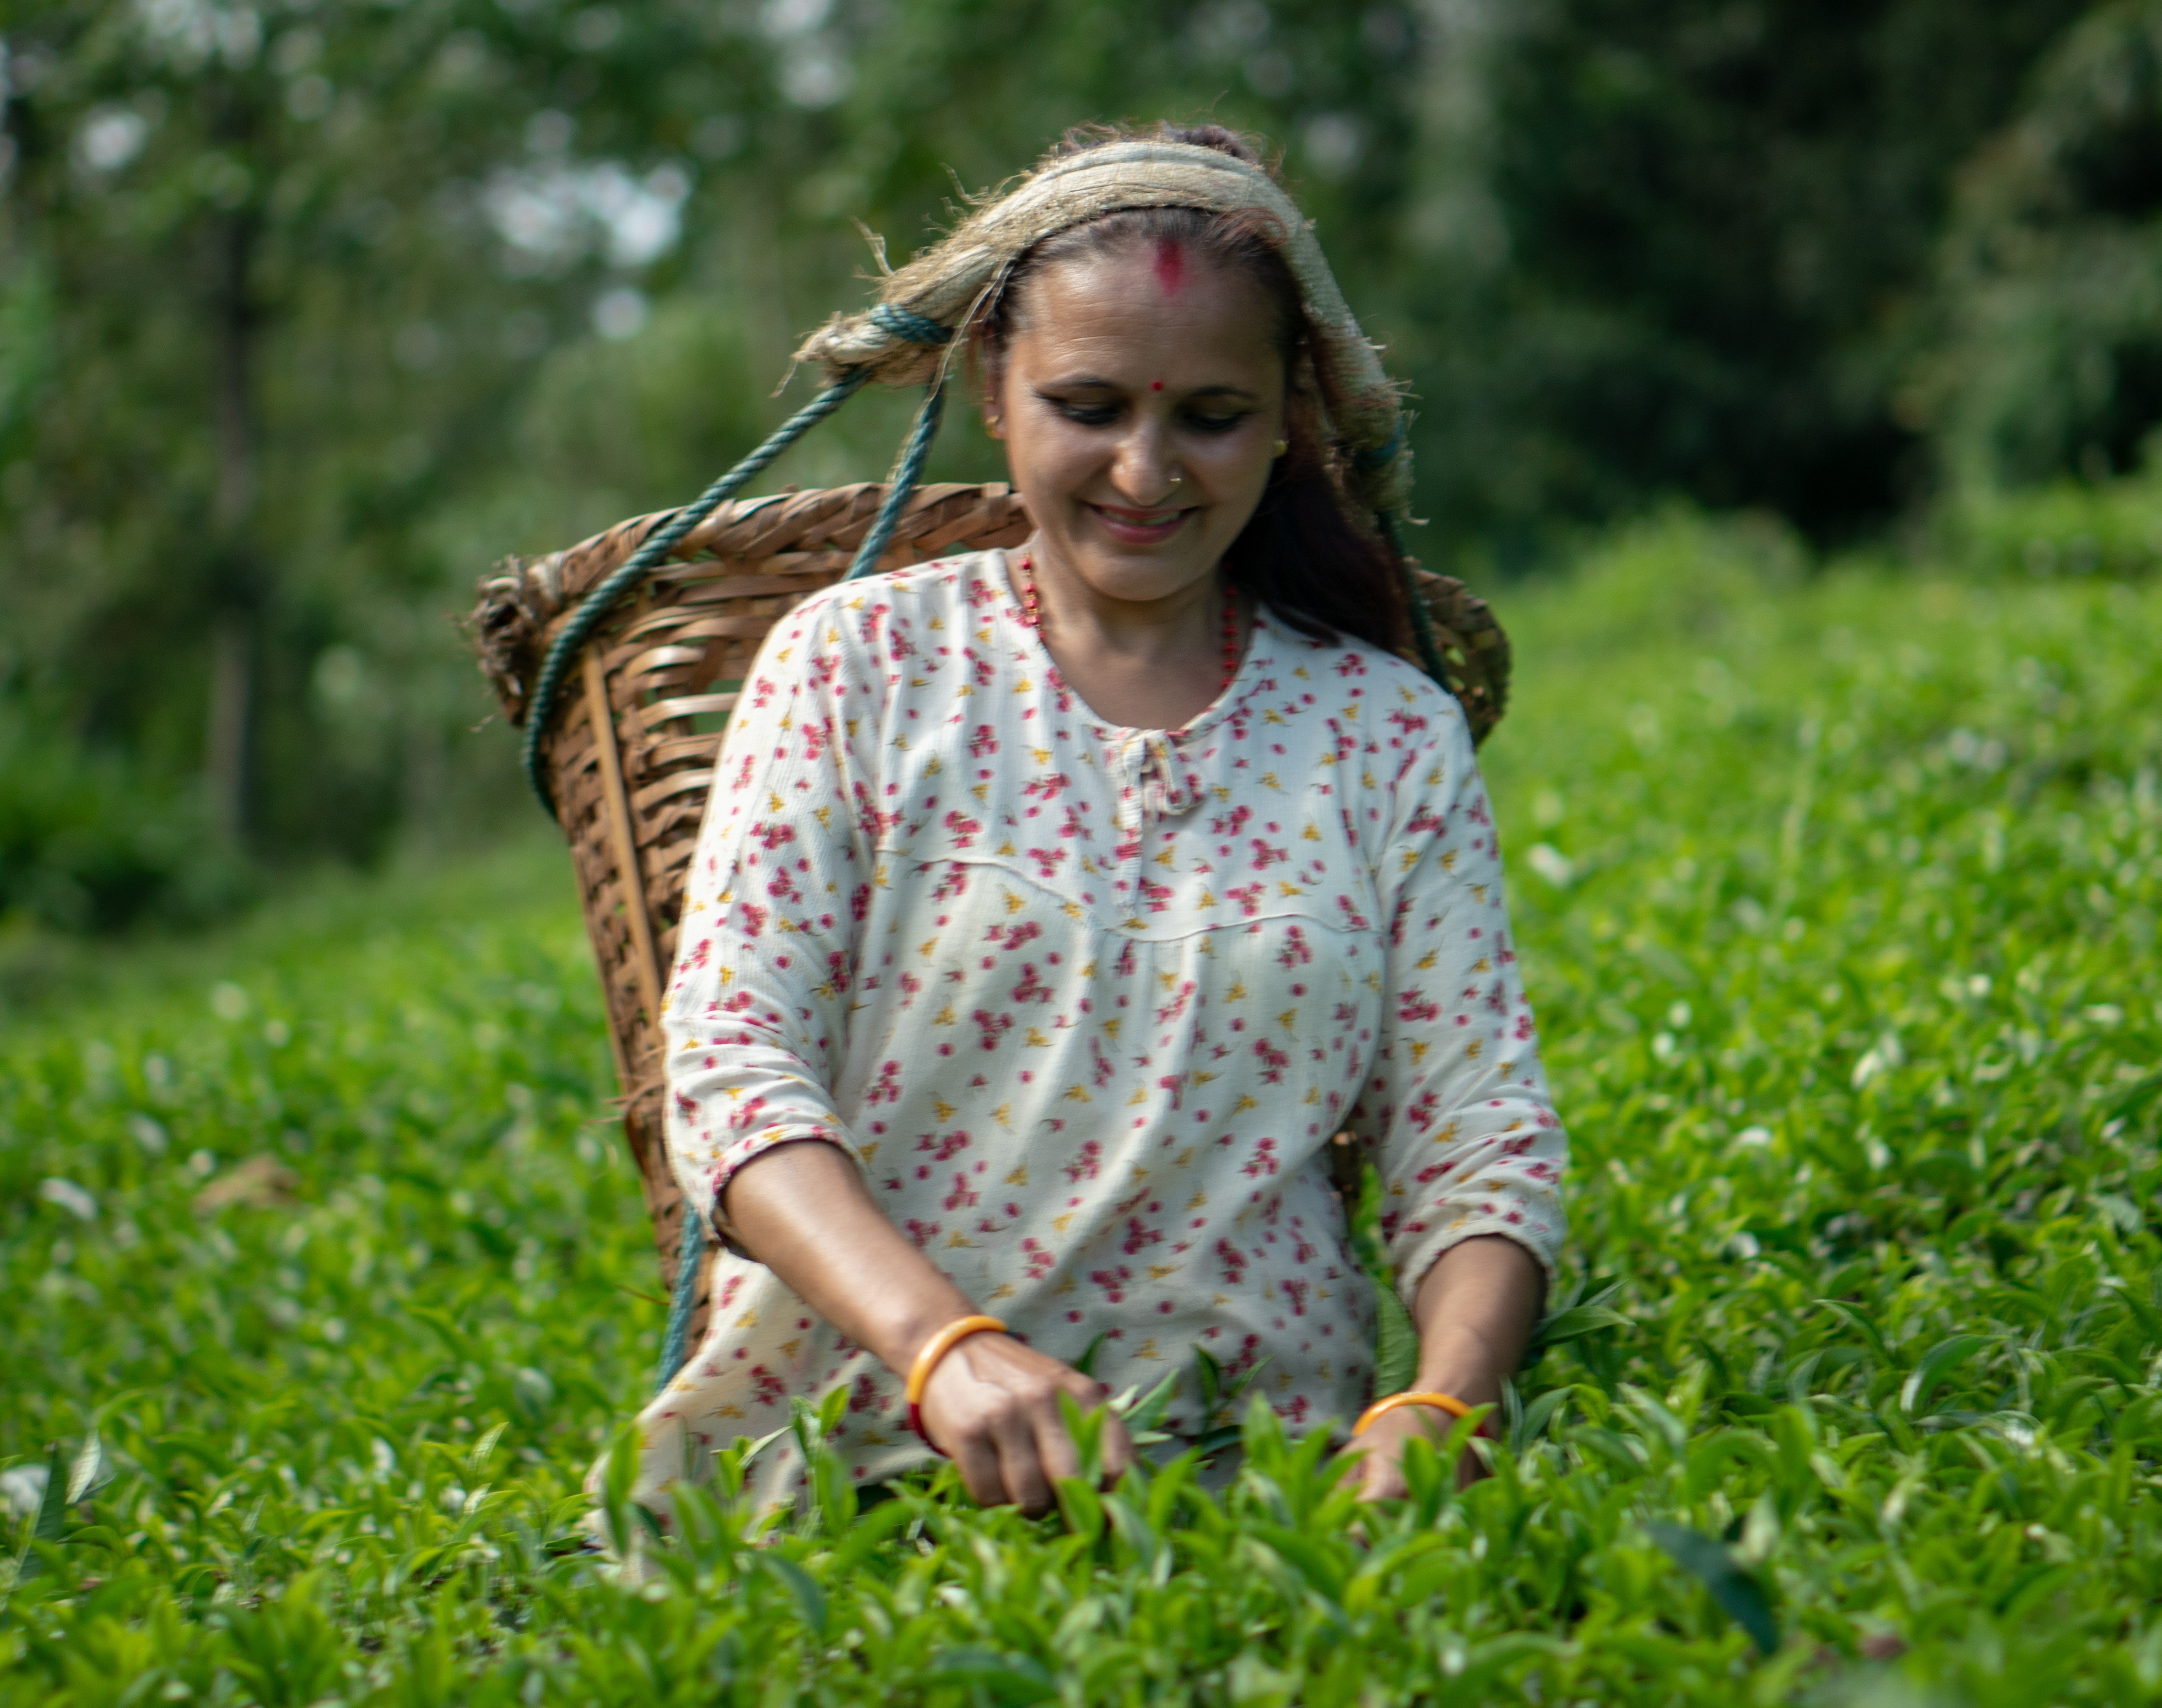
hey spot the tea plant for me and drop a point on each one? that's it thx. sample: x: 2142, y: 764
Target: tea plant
x: 327, y: 1280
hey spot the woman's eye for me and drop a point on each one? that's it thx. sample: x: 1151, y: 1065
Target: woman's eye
x: 1215, y: 423
x: 1090, y: 414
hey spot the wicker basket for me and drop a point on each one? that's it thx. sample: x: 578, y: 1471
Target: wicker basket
x: 631, y: 753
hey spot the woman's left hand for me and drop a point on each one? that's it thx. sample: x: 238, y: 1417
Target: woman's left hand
x: 1475, y: 1311
x: 1381, y: 1451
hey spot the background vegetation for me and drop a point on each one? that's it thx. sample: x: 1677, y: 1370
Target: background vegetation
x: 1838, y: 897
x: 310, y: 310
x: 1834, y: 824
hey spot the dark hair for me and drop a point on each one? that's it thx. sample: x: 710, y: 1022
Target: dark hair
x: 1309, y: 552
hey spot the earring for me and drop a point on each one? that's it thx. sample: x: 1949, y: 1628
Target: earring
x: 1283, y: 446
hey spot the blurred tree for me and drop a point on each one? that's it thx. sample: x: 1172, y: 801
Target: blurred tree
x: 2050, y: 356
x: 210, y: 194
x: 289, y: 268
x: 1674, y: 246
x: 315, y: 308
x: 312, y: 308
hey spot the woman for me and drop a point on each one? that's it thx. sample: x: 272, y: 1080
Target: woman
x: 1056, y: 907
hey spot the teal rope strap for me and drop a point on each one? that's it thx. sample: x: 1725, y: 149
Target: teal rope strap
x: 902, y: 323
x: 906, y: 472
x: 906, y: 323
x: 649, y: 556
x: 1382, y: 456
x: 675, y: 1347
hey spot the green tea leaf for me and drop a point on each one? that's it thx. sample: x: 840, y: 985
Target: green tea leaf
x: 1005, y: 1678
x: 1736, y: 1591
x: 810, y: 1600
x: 1086, y: 1363
x: 484, y: 1451
x: 1577, y: 1322
x: 1938, y: 1362
x: 88, y: 1473
x: 1396, y: 1344
x: 1148, y: 1413
x: 52, y: 1510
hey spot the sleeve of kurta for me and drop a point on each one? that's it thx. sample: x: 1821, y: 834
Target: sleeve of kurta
x: 757, y: 1006
x: 1464, y: 1133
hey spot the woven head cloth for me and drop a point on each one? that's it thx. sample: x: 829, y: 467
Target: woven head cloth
x: 948, y: 282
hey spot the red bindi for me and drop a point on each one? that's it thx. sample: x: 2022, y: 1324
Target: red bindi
x: 1170, y: 265
x: 1156, y: 385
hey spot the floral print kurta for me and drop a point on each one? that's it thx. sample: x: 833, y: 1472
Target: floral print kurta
x: 1086, y: 1003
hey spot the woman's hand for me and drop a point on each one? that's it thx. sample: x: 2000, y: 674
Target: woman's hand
x: 1381, y: 1451
x: 803, y: 1211
x: 1476, y: 1310
x: 992, y: 1404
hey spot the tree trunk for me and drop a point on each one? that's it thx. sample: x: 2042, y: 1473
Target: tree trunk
x: 229, y: 740
x: 232, y: 695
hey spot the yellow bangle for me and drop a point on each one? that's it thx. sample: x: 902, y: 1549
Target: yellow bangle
x: 1381, y: 1407
x: 926, y: 1361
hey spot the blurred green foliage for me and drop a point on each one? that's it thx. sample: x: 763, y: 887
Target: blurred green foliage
x: 83, y: 839
x: 311, y: 309
x: 2047, y: 359
x: 2070, y: 527
x: 1838, y: 897
x: 1689, y: 251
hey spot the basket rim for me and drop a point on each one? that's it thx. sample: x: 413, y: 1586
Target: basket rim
x: 522, y: 605
x: 826, y: 519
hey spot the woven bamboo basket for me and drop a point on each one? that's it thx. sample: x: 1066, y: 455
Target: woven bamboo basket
x: 631, y: 748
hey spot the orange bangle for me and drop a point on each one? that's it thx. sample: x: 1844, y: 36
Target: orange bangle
x: 926, y: 1361
x: 1381, y: 1407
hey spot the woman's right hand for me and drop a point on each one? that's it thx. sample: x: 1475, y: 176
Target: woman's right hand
x: 992, y: 1406
x: 991, y: 1403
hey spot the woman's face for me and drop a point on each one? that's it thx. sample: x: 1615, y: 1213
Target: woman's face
x: 1141, y: 403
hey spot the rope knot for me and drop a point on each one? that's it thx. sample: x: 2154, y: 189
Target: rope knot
x: 907, y: 323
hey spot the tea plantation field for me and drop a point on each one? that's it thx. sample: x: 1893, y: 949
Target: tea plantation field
x: 322, y: 1271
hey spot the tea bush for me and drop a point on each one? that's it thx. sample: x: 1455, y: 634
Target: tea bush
x: 1838, y: 896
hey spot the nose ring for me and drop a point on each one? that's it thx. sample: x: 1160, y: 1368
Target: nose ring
x: 1178, y: 480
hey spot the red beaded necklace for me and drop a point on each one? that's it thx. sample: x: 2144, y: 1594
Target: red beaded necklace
x: 1031, y: 614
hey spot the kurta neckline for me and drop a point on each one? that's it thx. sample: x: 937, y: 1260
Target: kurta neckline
x: 1259, y: 650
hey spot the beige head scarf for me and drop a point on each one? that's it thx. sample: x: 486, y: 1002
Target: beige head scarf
x: 948, y: 282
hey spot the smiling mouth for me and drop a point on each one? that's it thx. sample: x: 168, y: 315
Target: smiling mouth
x: 1141, y: 521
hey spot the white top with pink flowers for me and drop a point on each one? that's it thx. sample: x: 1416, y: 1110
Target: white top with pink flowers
x: 1087, y: 1003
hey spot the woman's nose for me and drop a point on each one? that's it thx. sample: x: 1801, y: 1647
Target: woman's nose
x: 1142, y: 470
